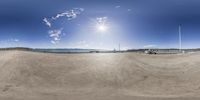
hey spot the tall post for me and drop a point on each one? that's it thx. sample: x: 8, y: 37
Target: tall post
x: 119, y: 47
x: 180, y: 39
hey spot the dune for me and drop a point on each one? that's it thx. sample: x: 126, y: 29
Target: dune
x: 26, y: 75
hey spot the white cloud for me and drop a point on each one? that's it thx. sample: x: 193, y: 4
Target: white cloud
x: 70, y: 14
x: 16, y: 40
x: 129, y: 10
x: 117, y: 6
x: 55, y: 35
x: 47, y: 22
x: 101, y: 20
x: 150, y: 46
x: 12, y: 42
x: 53, y: 42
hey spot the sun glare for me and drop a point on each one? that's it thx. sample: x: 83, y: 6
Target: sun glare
x: 101, y: 28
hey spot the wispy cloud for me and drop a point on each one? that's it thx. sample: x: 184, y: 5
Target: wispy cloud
x: 117, y: 6
x: 101, y: 20
x: 55, y: 35
x: 129, y: 10
x: 16, y: 40
x: 47, y: 22
x: 12, y: 42
x: 70, y: 14
x: 150, y: 46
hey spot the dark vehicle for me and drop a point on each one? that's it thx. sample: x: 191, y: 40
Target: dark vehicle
x: 150, y: 51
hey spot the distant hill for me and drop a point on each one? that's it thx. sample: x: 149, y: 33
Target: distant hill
x: 17, y: 48
x: 66, y: 50
x: 56, y: 50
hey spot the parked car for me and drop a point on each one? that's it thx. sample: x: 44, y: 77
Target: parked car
x: 150, y: 51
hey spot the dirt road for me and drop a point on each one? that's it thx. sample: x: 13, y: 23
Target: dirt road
x: 111, y: 76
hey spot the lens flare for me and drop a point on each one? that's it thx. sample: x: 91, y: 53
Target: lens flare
x: 102, y: 28
x: 101, y: 24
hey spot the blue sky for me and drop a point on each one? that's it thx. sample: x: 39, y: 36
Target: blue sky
x: 76, y: 23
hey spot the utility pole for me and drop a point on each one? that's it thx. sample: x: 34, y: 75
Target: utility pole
x: 119, y: 47
x: 180, y: 39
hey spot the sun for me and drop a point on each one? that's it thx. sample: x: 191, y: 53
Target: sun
x: 102, y: 28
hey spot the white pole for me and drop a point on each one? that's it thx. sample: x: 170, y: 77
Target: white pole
x: 119, y: 47
x: 180, y: 39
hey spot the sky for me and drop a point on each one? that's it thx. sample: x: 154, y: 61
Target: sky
x: 99, y: 24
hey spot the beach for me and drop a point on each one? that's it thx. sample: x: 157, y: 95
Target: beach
x: 26, y: 75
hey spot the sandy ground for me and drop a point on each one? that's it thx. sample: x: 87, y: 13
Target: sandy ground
x: 111, y: 76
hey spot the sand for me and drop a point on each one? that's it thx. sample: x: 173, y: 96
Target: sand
x: 28, y: 75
